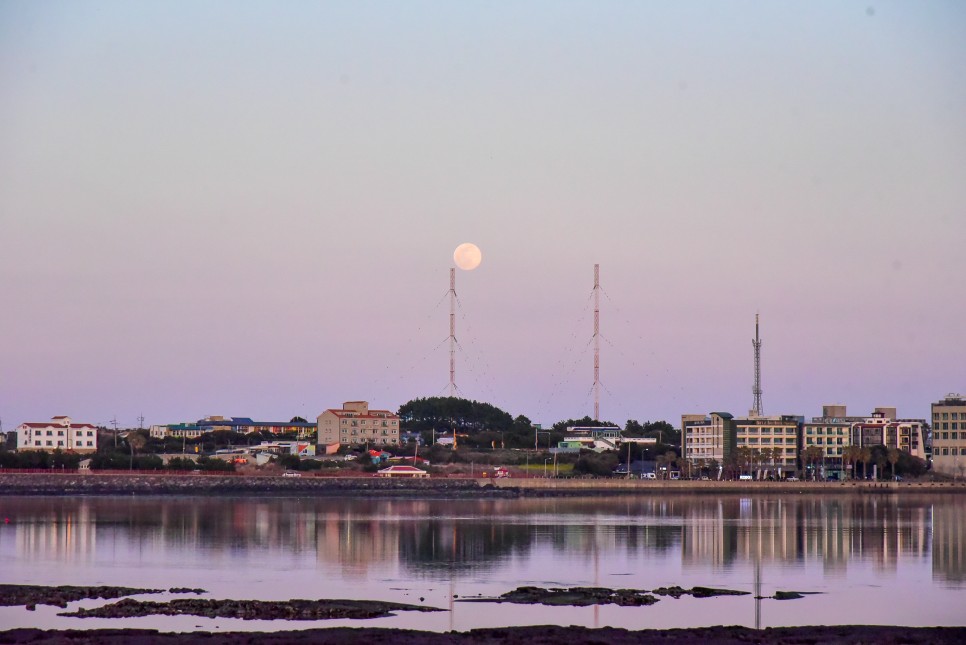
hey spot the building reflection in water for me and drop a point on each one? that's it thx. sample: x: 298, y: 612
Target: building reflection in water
x: 448, y: 539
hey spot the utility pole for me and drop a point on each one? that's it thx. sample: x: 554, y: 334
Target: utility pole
x: 452, y: 336
x: 596, y: 342
x: 114, y: 422
x: 756, y: 389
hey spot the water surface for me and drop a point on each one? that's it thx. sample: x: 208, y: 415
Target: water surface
x: 890, y: 560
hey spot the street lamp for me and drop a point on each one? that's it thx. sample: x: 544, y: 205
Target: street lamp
x: 545, y: 462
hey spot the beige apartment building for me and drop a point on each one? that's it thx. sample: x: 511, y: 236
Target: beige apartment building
x: 356, y: 424
x: 778, y: 434
x: 949, y: 435
x: 707, y: 438
x: 831, y: 433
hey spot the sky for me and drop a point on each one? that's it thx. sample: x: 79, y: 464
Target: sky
x: 250, y: 208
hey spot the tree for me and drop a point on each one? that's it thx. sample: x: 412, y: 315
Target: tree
x: 811, y: 456
x: 298, y: 420
x: 451, y: 413
x: 135, y: 441
x: 865, y: 454
x: 851, y: 454
x: 893, y: 456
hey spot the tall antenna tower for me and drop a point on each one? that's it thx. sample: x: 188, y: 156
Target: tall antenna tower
x: 596, y: 342
x: 452, y: 332
x: 756, y: 390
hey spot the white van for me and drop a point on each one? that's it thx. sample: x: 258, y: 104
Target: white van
x: 744, y: 477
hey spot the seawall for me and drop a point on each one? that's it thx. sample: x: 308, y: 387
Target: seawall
x: 193, y: 484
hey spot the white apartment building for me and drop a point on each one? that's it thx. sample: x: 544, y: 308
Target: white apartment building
x: 60, y: 433
x: 356, y: 424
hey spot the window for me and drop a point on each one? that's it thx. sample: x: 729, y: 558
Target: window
x: 60, y: 433
x: 49, y: 442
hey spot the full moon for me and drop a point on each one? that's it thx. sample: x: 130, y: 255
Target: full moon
x: 467, y: 256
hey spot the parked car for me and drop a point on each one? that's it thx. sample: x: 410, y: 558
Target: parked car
x: 648, y: 476
x: 291, y: 474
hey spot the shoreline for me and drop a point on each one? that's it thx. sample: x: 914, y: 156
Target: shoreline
x: 141, y: 483
x: 533, y: 635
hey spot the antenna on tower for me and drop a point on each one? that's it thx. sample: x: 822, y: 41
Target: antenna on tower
x: 756, y: 390
x: 452, y: 334
x: 596, y: 342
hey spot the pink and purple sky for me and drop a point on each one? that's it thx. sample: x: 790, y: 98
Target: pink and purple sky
x: 250, y: 208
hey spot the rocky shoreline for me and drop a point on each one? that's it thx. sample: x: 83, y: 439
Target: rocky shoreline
x: 536, y: 635
x: 54, y: 484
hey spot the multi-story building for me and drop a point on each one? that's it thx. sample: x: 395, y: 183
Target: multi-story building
x: 60, y: 433
x: 831, y: 433
x: 778, y: 435
x: 241, y: 425
x: 907, y: 435
x: 708, y: 438
x: 949, y: 435
x: 356, y: 424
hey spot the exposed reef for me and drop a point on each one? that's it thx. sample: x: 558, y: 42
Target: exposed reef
x: 250, y: 609
x: 33, y: 595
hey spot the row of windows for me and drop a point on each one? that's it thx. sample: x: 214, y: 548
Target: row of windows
x: 60, y: 443
x: 947, y: 452
x: 766, y: 430
x: 60, y: 433
x: 955, y: 426
x: 810, y: 429
x: 948, y: 436
x: 821, y: 440
x: 947, y: 415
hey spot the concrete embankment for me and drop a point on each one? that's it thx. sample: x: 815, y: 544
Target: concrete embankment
x: 190, y: 484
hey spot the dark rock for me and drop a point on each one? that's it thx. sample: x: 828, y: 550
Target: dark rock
x: 708, y: 592
x: 186, y: 590
x: 572, y: 596
x: 250, y: 609
x: 12, y: 595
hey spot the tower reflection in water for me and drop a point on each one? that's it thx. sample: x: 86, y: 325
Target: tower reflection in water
x: 444, y: 539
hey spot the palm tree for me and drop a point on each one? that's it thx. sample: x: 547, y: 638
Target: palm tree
x: 812, y: 455
x: 865, y: 454
x: 893, y: 456
x: 848, y: 458
x: 136, y: 441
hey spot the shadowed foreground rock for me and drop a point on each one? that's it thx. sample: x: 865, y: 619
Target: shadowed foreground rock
x: 697, y: 592
x: 572, y: 596
x: 540, y: 635
x: 32, y: 595
x: 249, y: 609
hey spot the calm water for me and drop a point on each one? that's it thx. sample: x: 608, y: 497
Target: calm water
x: 893, y: 560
